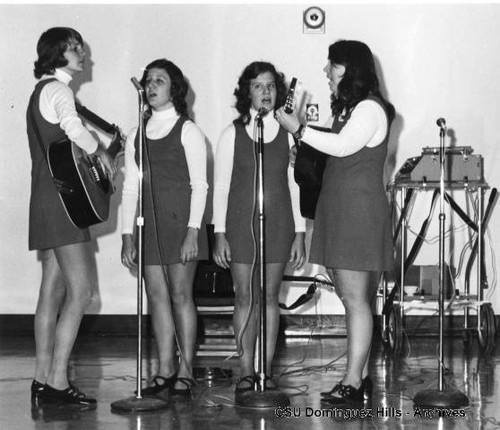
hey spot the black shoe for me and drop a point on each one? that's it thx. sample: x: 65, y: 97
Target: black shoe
x: 345, y: 394
x: 250, y: 379
x: 69, y: 396
x: 36, y: 390
x: 366, y: 384
x: 184, y: 392
x: 160, y: 384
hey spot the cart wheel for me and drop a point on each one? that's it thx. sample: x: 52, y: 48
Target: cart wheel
x: 487, y: 328
x: 395, y: 329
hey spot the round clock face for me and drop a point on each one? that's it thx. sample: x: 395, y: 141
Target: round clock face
x: 314, y: 17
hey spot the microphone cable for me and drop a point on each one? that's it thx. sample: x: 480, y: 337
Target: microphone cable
x: 239, y: 336
x: 159, y: 245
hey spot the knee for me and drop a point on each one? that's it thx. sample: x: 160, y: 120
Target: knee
x: 156, y: 294
x: 243, y: 298
x: 272, y: 298
x: 355, y: 304
x: 182, y: 297
x: 82, y: 297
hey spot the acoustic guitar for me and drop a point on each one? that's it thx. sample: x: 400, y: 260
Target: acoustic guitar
x: 83, y: 186
x: 309, y: 165
x: 308, y: 173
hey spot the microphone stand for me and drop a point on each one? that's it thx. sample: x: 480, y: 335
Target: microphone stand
x: 441, y: 398
x: 261, y: 398
x: 139, y: 403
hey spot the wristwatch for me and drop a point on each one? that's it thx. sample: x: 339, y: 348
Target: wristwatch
x: 300, y: 132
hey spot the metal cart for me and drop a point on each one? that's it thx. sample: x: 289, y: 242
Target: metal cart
x: 403, y: 194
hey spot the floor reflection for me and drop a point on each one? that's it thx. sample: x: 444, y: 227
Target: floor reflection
x: 104, y: 367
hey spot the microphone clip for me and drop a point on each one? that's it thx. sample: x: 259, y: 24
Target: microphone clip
x: 261, y: 113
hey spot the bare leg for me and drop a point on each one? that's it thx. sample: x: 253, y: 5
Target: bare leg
x: 274, y: 278
x: 181, y: 278
x: 244, y: 298
x: 51, y: 295
x: 161, y: 316
x: 356, y: 290
x: 78, y: 268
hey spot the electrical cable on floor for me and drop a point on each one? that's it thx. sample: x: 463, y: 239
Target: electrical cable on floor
x: 322, y: 280
x: 209, y: 399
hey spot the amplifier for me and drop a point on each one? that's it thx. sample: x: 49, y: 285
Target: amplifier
x: 459, y: 166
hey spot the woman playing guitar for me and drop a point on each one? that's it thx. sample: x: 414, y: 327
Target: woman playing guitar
x: 68, y: 268
x: 352, y: 229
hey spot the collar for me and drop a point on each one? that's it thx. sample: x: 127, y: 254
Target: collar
x: 169, y: 113
x: 62, y: 76
x: 268, y: 119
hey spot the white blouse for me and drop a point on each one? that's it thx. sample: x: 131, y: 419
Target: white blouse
x: 57, y: 105
x: 193, y: 141
x: 224, y: 160
x: 367, y: 126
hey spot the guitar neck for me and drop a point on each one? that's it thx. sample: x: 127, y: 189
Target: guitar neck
x: 95, y: 119
x: 116, y: 143
x: 289, y: 98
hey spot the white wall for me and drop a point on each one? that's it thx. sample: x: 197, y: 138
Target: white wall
x: 434, y: 60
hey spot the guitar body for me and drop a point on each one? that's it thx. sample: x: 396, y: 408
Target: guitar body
x: 309, y: 165
x: 84, y: 189
x: 308, y: 173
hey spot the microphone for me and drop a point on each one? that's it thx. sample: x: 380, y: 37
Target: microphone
x: 262, y: 113
x: 441, y: 122
x: 137, y: 85
x: 289, y: 97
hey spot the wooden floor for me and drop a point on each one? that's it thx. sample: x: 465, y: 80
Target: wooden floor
x: 105, y: 367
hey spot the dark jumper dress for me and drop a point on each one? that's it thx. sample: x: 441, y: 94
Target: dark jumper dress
x: 352, y: 225
x: 49, y: 224
x: 166, y: 220
x: 279, y: 224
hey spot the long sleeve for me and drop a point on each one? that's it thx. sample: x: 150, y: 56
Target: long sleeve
x: 367, y: 126
x: 193, y: 142
x: 195, y: 149
x: 57, y: 105
x: 224, y: 159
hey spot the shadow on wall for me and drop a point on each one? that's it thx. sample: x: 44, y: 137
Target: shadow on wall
x: 396, y: 128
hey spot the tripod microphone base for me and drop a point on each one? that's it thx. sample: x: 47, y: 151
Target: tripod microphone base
x: 433, y: 398
x: 134, y: 404
x: 262, y: 399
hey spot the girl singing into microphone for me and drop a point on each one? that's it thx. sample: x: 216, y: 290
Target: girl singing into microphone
x: 260, y: 89
x: 175, y: 192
